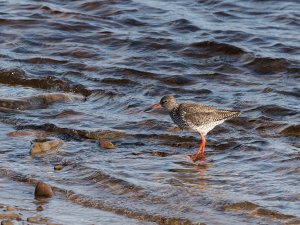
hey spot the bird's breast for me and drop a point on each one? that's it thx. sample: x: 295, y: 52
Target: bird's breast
x: 177, y: 118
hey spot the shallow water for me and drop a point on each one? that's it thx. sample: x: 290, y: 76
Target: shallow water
x: 85, y: 70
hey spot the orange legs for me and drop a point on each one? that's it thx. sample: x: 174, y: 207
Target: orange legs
x: 200, y: 149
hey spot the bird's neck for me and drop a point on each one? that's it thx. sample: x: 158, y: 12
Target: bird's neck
x: 173, y: 108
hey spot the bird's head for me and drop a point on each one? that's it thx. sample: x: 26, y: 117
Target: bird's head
x: 168, y: 102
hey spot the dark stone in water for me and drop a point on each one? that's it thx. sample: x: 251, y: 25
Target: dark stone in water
x: 240, y: 206
x: 256, y: 210
x: 159, y: 153
x: 177, y: 80
x: 73, y: 132
x: 218, y: 47
x: 268, y: 65
x: 293, y: 130
x: 43, y: 190
x: 275, y: 110
x: 271, y: 214
x: 39, y: 208
x: 184, y: 144
x: 19, y: 77
x: 38, y: 101
x: 183, y: 26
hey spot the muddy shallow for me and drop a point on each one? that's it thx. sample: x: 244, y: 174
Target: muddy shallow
x: 84, y: 71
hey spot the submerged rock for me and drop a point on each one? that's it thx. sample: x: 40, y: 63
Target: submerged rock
x: 41, y: 147
x: 106, y: 144
x: 245, y: 205
x: 43, y: 190
x: 19, y: 133
x: 293, y: 130
x: 38, y: 101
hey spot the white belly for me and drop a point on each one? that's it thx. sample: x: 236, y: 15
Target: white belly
x: 204, y: 129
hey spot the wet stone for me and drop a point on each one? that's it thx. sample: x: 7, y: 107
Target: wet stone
x: 293, y: 222
x: 6, y: 222
x: 293, y: 130
x: 43, y: 190
x: 39, y: 208
x: 183, y: 144
x: 41, y: 147
x: 58, y: 167
x: 240, y: 206
x: 20, y: 133
x: 37, y: 220
x: 159, y: 153
x: 271, y: 214
x: 9, y: 208
x: 106, y: 144
x: 11, y: 216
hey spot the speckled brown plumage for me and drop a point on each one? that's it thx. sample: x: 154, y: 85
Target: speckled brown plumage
x: 198, y: 117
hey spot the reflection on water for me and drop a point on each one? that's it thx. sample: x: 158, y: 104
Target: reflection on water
x: 86, y: 70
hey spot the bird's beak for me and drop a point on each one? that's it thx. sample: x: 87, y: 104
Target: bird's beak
x: 156, y: 106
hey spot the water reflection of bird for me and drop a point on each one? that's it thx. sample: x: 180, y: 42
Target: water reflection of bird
x: 198, y: 117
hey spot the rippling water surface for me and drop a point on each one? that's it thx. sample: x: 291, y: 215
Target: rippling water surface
x: 81, y: 71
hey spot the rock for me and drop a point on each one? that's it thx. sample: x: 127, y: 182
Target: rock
x: 6, y: 222
x: 38, y: 220
x: 261, y: 212
x: 58, y: 167
x: 11, y: 216
x: 43, y: 190
x: 245, y: 205
x: 41, y: 147
x: 293, y: 130
x: 19, y: 133
x: 107, y: 144
x: 9, y: 208
x: 39, y: 208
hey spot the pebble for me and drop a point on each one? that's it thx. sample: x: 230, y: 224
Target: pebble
x: 43, y: 190
x: 38, y: 220
x: 6, y: 222
x: 11, y: 216
x: 19, y: 133
x: 107, y: 144
x: 58, y: 167
x: 40, y: 208
x: 9, y: 208
x: 41, y: 147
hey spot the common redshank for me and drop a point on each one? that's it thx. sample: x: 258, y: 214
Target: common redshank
x: 197, y: 117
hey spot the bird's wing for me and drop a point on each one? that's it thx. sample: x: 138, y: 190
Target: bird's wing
x: 199, y: 114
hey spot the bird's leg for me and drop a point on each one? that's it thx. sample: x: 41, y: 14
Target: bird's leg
x: 195, y: 157
x: 203, y: 143
x: 200, y: 149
